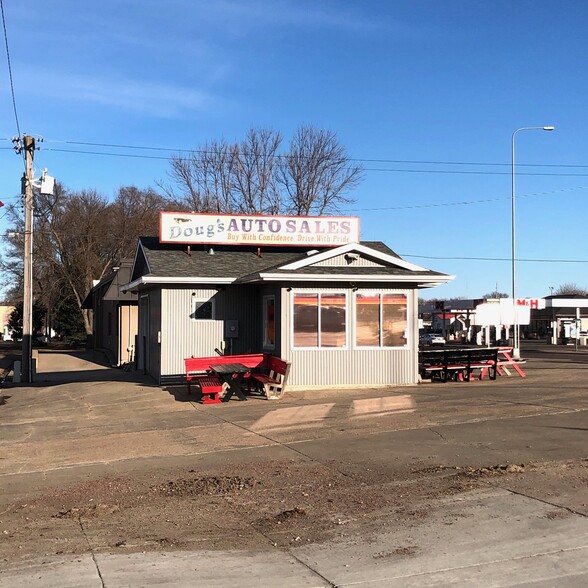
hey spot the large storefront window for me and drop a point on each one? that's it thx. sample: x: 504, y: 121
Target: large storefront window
x: 320, y: 320
x: 381, y: 319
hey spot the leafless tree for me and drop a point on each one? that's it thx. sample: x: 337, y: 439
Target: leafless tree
x: 254, y: 173
x: 204, y: 179
x: 252, y: 177
x: 571, y: 288
x: 317, y: 173
x: 79, y: 236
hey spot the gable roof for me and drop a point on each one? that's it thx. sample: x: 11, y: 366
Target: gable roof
x: 164, y: 263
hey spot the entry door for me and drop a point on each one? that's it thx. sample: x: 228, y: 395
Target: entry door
x: 143, y: 338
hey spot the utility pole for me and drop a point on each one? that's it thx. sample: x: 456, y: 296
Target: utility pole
x: 27, y: 307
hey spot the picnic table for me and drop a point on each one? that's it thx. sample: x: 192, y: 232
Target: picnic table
x: 458, y: 363
x: 505, y: 359
x: 232, y: 374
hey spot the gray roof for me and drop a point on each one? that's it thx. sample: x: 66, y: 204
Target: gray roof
x: 166, y: 259
x: 245, y: 264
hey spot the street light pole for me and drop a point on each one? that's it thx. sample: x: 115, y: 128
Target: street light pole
x: 516, y: 352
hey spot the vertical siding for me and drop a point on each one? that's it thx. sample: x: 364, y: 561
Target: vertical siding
x: 356, y: 367
x: 341, y: 261
x: 183, y: 337
x: 244, y: 304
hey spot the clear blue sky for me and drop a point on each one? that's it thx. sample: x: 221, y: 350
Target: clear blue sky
x: 401, y: 81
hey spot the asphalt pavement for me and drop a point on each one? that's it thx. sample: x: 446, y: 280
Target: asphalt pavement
x: 82, y: 416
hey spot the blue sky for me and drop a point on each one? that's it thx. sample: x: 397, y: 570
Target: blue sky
x: 404, y: 84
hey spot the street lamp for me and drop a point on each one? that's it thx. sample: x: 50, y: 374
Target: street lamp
x: 516, y: 352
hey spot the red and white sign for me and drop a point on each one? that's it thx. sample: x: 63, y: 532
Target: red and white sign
x: 236, y: 229
x: 536, y: 303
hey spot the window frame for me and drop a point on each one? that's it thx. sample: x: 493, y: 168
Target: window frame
x: 194, y: 300
x: 265, y: 322
x: 320, y: 294
x: 381, y: 293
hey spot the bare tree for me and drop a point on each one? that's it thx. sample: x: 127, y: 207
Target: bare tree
x: 254, y: 173
x: 313, y: 177
x: 79, y: 236
x: 204, y: 179
x: 132, y: 213
x: 316, y: 173
x: 571, y: 288
x: 495, y: 294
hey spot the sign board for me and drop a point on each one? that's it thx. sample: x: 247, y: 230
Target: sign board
x: 537, y: 303
x: 502, y: 312
x: 236, y: 229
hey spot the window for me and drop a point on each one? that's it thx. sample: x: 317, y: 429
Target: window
x: 381, y: 319
x: 201, y: 309
x: 320, y: 320
x: 269, y: 322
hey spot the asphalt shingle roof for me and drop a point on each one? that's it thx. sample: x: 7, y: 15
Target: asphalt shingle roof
x: 197, y: 261
x: 166, y: 259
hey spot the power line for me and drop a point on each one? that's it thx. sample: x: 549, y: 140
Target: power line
x: 9, y: 68
x: 392, y: 170
x: 465, y: 202
x: 107, y: 154
x: 360, y: 160
x: 509, y: 259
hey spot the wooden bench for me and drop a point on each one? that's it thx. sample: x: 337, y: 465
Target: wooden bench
x: 211, y: 386
x: 459, y: 363
x: 274, y: 381
x: 268, y: 372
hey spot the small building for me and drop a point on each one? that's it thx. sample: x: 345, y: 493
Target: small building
x: 5, y: 312
x: 343, y: 312
x: 115, y: 315
x: 563, y: 318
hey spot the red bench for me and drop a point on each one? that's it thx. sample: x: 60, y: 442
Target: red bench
x: 269, y: 373
x: 273, y: 383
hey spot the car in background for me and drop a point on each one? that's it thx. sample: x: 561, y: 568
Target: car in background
x: 431, y: 339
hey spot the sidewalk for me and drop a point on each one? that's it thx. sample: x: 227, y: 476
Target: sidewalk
x: 382, y: 487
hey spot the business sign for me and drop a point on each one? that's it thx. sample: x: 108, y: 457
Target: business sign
x: 536, y: 303
x: 236, y: 229
x: 504, y: 312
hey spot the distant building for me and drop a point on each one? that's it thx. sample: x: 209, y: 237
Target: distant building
x: 564, y: 318
x: 115, y: 315
x: 557, y: 319
x: 5, y: 312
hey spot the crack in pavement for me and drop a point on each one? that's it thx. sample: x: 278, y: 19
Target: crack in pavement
x: 92, y: 553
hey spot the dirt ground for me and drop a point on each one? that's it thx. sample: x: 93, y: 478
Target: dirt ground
x: 259, y: 506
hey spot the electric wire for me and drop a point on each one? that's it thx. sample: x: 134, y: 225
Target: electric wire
x: 357, y: 159
x: 10, y: 69
x: 465, y: 202
x: 393, y: 170
x: 509, y: 259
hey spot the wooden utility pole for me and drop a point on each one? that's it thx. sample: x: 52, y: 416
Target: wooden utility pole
x: 27, y: 307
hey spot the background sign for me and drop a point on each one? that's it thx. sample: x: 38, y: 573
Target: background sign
x: 230, y: 229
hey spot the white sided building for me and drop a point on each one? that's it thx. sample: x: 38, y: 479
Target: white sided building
x: 344, y: 312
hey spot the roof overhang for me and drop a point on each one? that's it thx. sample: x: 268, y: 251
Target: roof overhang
x: 355, y: 247
x: 423, y: 281
x: 152, y: 280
